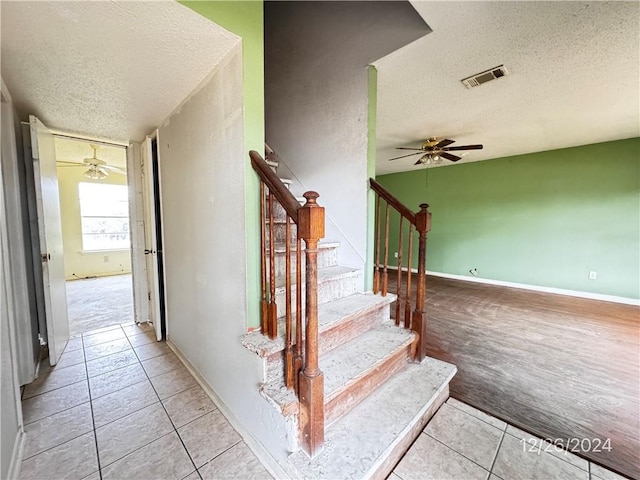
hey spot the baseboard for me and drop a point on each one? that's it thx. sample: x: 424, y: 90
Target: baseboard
x: 535, y: 288
x: 260, y: 452
x: 16, y: 456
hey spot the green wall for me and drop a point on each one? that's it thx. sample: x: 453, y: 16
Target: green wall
x: 246, y: 19
x: 543, y: 219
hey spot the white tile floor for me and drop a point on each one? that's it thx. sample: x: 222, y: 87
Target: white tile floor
x: 120, y: 405
x: 461, y: 442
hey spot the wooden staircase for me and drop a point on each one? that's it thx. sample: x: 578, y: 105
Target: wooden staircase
x: 375, y: 398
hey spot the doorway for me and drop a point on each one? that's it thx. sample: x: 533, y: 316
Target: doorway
x: 94, y: 207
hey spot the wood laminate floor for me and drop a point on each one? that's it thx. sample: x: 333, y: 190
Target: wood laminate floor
x: 559, y: 367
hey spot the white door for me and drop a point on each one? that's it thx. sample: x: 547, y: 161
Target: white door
x: 50, y: 229
x: 151, y: 235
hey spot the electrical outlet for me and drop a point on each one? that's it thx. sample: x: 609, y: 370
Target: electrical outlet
x: 106, y: 259
x: 593, y: 275
x: 395, y: 254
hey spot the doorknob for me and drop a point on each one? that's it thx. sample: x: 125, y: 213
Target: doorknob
x: 45, y: 257
x: 148, y: 252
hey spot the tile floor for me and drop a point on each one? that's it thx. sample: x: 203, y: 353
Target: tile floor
x: 120, y: 405
x: 461, y: 442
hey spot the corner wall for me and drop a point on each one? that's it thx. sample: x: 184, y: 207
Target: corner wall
x: 544, y: 219
x: 85, y: 264
x: 317, y: 101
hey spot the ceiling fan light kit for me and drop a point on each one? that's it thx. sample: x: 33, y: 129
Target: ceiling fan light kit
x: 96, y: 173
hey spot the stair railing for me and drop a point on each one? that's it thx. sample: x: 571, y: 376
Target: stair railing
x: 301, y: 371
x: 419, y: 224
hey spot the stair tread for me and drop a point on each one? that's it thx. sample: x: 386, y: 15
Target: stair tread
x: 324, y: 274
x: 350, y: 361
x: 357, y: 444
x: 280, y: 247
x: 329, y: 314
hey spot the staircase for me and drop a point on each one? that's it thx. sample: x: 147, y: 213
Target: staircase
x: 376, y: 399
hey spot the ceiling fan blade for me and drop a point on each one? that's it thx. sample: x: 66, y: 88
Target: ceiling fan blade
x: 396, y: 158
x: 114, y: 169
x: 419, y: 162
x: 464, y: 147
x: 448, y: 156
x: 407, y: 148
x: 443, y: 143
x: 70, y: 165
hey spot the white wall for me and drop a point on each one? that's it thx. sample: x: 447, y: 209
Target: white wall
x: 11, y: 433
x: 202, y: 171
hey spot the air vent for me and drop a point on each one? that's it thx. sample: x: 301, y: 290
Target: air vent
x: 484, y: 77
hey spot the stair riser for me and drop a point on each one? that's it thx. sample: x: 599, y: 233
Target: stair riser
x: 346, y: 330
x: 280, y: 233
x: 349, y: 329
x: 342, y: 403
x: 279, y: 213
x: 327, y: 257
x: 328, y: 290
x: 386, y: 467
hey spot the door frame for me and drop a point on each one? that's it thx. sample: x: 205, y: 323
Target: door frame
x: 156, y: 277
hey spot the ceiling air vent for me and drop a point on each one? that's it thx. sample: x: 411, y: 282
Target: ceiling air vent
x: 484, y: 77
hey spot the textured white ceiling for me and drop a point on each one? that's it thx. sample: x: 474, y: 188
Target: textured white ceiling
x: 110, y: 69
x: 76, y: 151
x: 574, y: 78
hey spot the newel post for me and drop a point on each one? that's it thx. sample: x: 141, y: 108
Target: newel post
x: 311, y: 230
x: 419, y: 320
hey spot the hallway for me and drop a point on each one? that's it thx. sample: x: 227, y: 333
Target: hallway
x: 121, y: 405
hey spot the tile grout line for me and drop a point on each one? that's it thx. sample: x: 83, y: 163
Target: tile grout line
x: 495, y: 456
x: 478, y: 418
x: 165, y: 410
x: 454, y: 450
x: 93, y: 420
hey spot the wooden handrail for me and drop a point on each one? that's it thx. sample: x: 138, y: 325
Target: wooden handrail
x: 421, y: 222
x: 276, y: 187
x: 301, y: 368
x: 393, y: 201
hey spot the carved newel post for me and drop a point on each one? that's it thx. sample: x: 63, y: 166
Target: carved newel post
x: 311, y: 230
x: 419, y: 321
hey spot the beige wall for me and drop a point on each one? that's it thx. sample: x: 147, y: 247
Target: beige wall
x: 84, y: 264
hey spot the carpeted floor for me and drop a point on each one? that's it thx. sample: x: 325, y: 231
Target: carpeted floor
x: 99, y: 302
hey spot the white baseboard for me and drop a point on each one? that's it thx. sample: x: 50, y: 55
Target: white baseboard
x: 535, y: 288
x: 16, y: 457
x: 260, y: 452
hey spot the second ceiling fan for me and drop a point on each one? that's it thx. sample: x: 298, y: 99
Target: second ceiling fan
x: 434, y: 150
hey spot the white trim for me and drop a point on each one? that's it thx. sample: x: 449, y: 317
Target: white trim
x: 16, y: 456
x: 256, y: 447
x: 535, y: 288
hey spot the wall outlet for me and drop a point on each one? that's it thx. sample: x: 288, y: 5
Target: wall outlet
x: 593, y: 275
x: 474, y: 272
x: 106, y: 259
x: 395, y: 254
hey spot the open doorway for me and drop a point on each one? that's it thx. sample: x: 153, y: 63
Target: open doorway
x: 94, y: 207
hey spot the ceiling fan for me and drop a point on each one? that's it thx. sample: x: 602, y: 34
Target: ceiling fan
x: 434, y: 150
x: 98, y: 169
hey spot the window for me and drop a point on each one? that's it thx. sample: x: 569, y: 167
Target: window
x: 104, y: 211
